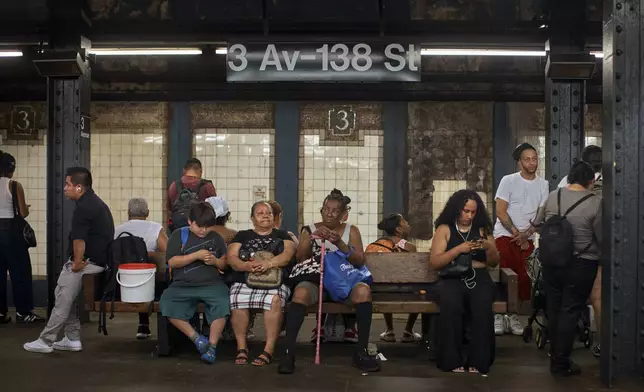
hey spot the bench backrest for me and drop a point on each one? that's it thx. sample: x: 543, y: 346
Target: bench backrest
x: 404, y: 272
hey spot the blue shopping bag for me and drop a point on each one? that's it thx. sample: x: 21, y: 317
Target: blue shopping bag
x: 340, y: 276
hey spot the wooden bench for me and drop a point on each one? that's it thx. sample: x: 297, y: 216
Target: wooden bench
x: 398, y: 281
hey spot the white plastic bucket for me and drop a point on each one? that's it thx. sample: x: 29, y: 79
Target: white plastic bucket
x: 137, y: 282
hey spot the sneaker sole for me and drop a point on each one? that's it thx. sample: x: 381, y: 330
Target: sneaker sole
x: 65, y: 348
x: 142, y: 336
x: 40, y: 350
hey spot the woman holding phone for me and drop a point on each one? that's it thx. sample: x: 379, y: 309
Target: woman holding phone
x: 464, y: 232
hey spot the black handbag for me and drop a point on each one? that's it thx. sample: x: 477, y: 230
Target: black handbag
x: 457, y: 268
x: 20, y: 228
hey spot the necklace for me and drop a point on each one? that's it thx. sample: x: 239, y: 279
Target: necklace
x: 458, y: 230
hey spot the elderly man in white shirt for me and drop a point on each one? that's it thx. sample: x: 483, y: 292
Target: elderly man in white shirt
x: 155, y: 239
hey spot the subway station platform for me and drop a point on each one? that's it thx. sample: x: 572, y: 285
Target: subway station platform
x: 118, y: 362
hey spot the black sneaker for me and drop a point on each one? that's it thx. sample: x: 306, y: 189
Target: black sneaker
x: 143, y: 332
x: 596, y: 351
x: 365, y: 362
x: 29, y: 318
x: 287, y: 364
x: 4, y: 319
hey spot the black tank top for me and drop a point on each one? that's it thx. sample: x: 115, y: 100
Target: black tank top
x: 455, y: 240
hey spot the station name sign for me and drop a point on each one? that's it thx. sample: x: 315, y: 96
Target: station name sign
x: 323, y: 62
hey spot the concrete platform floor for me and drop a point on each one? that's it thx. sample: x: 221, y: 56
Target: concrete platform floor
x: 118, y: 362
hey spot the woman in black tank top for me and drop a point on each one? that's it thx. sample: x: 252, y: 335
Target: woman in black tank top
x: 463, y: 228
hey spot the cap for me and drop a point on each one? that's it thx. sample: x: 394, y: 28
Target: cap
x: 219, y: 204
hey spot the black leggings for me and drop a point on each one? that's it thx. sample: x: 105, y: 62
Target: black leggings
x: 457, y: 304
x: 15, y: 259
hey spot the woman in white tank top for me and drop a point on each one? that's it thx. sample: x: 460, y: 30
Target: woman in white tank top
x: 14, y: 258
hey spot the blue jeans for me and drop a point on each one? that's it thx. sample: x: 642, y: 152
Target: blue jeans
x: 16, y: 260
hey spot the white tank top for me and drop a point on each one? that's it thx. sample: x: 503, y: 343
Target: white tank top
x: 148, y: 230
x: 329, y: 246
x: 6, y: 201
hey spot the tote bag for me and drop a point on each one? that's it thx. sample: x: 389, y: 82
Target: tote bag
x: 340, y: 276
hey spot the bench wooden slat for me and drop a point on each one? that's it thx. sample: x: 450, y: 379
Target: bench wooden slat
x: 400, y: 267
x: 418, y: 306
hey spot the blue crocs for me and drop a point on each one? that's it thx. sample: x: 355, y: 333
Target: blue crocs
x: 210, y: 356
x: 202, y: 344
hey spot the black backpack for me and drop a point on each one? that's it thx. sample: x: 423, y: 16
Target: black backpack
x: 186, y: 197
x: 126, y: 248
x: 556, y: 241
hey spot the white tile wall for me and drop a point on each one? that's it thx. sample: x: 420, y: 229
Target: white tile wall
x: 31, y: 172
x: 357, y: 171
x: 236, y: 161
x: 129, y: 163
x: 594, y: 138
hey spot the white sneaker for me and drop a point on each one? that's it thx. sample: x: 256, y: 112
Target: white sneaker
x: 68, y: 345
x: 499, y: 324
x: 38, y: 346
x: 513, y: 325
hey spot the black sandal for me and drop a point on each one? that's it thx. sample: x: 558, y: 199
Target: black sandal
x: 259, y: 361
x: 242, y: 357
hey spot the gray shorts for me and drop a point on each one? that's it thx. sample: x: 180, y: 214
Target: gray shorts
x: 313, y: 291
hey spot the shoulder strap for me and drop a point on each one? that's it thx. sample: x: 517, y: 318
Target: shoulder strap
x: 178, y: 185
x: 202, y: 182
x: 185, y: 232
x: 307, y: 229
x: 346, y: 234
x: 559, y: 202
x: 583, y: 199
x: 14, y: 197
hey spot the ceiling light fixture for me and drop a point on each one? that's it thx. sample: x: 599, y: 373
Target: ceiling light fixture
x: 221, y: 51
x: 10, y: 53
x: 481, y: 52
x: 490, y: 52
x: 145, y: 51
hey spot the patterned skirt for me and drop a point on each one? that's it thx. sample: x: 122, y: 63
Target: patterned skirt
x: 244, y: 297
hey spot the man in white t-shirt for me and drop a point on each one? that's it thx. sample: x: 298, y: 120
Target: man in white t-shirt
x: 519, y: 197
x: 155, y: 239
x: 593, y: 156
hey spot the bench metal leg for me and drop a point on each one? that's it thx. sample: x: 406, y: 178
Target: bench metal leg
x: 163, y: 337
x: 428, y: 330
